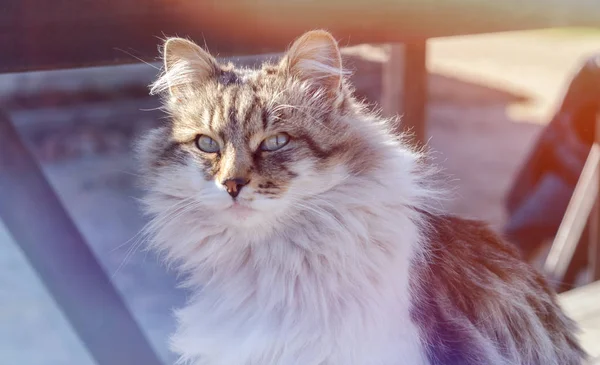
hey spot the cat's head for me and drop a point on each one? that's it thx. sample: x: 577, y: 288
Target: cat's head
x: 244, y: 147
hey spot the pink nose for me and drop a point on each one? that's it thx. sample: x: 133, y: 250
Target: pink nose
x: 233, y: 186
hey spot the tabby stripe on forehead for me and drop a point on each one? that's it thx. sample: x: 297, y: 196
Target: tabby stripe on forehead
x: 212, y: 111
x: 250, y: 110
x: 265, y: 118
x: 217, y: 112
x: 233, y: 106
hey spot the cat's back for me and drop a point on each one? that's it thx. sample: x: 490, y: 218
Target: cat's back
x: 477, y: 302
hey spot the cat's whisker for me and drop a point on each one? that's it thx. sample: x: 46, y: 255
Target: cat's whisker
x: 137, y: 58
x: 139, y: 238
x: 152, y: 109
x: 305, y: 110
x: 274, y: 98
x: 170, y: 214
x: 316, y: 209
x: 128, y: 172
x: 128, y: 254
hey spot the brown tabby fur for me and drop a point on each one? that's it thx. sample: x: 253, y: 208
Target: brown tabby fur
x: 480, y: 303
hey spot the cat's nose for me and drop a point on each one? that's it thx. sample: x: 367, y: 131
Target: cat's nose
x: 233, y: 186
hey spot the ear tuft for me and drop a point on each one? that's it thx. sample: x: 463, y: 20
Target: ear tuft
x: 315, y: 56
x: 185, y: 63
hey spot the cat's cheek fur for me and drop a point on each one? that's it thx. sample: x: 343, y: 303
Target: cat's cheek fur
x: 188, y: 183
x: 311, y: 181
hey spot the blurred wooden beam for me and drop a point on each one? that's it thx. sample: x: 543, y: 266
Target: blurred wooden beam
x: 594, y: 241
x: 40, y: 34
x: 392, y: 81
x: 594, y: 244
x: 404, y: 93
x: 575, y: 219
x: 414, y: 97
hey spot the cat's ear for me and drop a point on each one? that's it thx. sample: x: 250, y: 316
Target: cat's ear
x: 185, y: 63
x: 315, y: 56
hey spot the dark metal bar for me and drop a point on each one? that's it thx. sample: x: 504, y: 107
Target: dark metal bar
x: 35, y: 217
x: 414, y: 103
x: 41, y: 34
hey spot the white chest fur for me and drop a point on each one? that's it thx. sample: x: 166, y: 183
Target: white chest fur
x: 341, y: 300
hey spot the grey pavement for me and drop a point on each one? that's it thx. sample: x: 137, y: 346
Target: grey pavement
x: 100, y: 193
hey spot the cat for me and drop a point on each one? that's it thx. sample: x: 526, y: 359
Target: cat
x: 309, y: 234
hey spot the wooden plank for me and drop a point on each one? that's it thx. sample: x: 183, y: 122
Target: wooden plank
x: 41, y: 34
x: 594, y: 242
x: 582, y: 305
x: 594, y: 235
x: 575, y: 219
x: 404, y: 91
x: 414, y: 97
x: 404, y: 84
x: 392, y: 82
x: 35, y: 217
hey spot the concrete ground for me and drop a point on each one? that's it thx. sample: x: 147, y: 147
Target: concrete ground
x: 479, y: 128
x: 100, y: 194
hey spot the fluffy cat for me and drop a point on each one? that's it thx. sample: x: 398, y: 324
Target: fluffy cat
x: 304, y: 229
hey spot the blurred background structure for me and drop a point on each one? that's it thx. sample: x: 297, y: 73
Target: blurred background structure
x: 490, y: 99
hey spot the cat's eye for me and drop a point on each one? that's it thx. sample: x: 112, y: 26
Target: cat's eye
x: 207, y: 144
x: 275, y: 142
